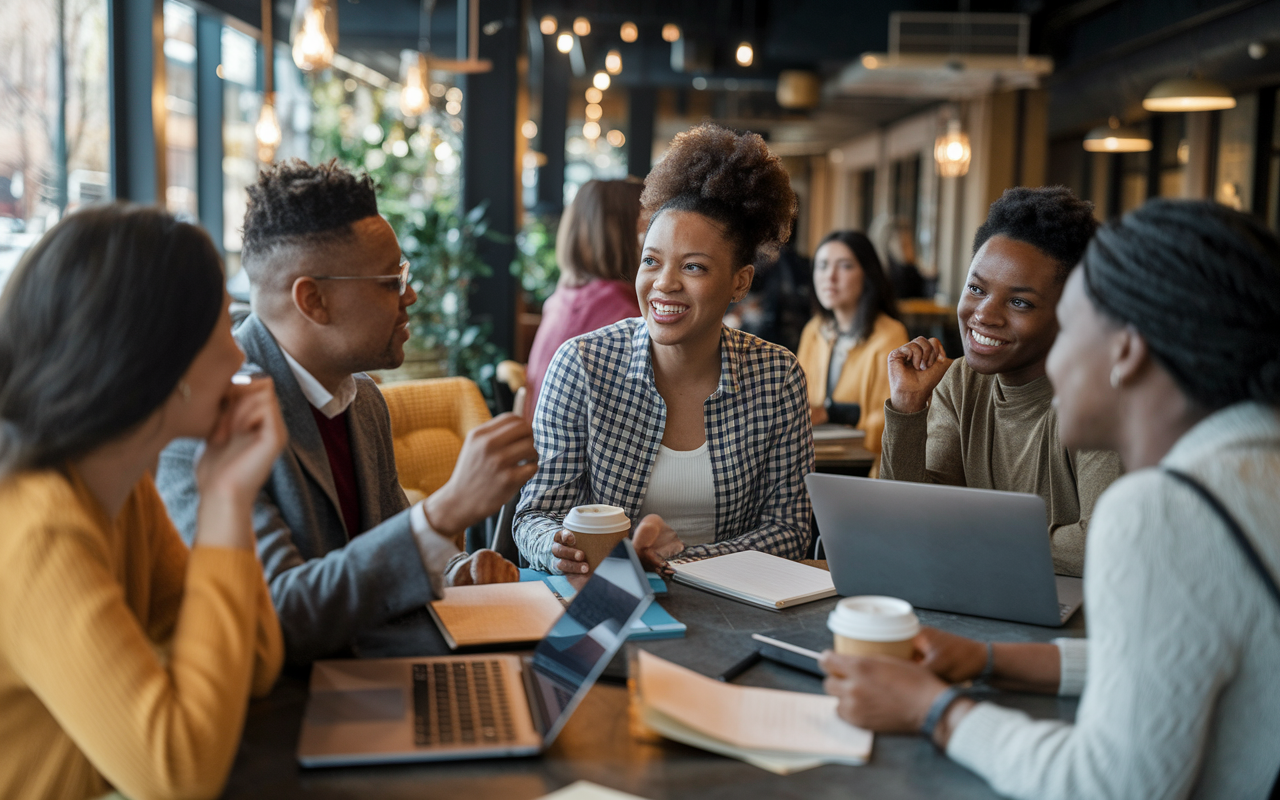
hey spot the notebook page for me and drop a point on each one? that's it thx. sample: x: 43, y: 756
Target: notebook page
x: 498, y: 612
x: 750, y: 717
x: 760, y: 575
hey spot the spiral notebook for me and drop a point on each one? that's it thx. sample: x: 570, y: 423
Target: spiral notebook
x: 757, y: 578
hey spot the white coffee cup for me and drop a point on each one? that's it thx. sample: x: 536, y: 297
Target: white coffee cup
x: 871, y: 625
x: 596, y: 530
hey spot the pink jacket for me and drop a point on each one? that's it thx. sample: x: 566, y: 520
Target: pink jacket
x: 570, y: 312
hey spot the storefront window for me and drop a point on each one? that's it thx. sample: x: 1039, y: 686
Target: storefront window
x: 1234, y: 184
x: 54, y: 123
x: 180, y: 108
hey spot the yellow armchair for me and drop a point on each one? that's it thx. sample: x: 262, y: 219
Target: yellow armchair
x: 429, y: 420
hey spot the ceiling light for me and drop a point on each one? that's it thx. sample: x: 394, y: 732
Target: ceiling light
x: 629, y: 32
x: 1115, y: 138
x: 591, y: 130
x: 594, y: 95
x: 414, y: 97
x: 315, y: 35
x: 548, y: 25
x: 613, y: 62
x: 594, y: 111
x: 951, y: 151
x: 582, y: 26
x: 744, y: 54
x: 267, y: 130
x: 564, y: 42
x: 529, y: 129
x: 1188, y: 94
x: 601, y: 81
x: 616, y: 138
x: 670, y: 32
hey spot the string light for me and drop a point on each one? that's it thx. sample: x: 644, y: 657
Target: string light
x: 601, y: 81
x: 670, y: 32
x: 548, y: 25
x: 629, y: 32
x: 529, y: 129
x: 582, y: 26
x: 613, y: 62
x: 616, y: 138
x: 591, y: 130
x: 745, y: 55
x: 594, y: 111
x: 594, y: 95
x: 564, y: 42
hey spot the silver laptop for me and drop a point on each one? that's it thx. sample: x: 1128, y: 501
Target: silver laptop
x: 376, y: 711
x: 948, y: 548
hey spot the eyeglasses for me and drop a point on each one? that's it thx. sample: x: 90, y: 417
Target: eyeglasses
x: 403, y: 277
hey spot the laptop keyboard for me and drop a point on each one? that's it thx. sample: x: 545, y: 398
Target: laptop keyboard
x: 1064, y: 611
x: 461, y: 703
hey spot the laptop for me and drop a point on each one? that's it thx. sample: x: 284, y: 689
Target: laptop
x: 377, y: 711
x: 948, y: 548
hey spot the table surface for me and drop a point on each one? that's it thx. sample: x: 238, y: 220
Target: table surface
x: 601, y: 743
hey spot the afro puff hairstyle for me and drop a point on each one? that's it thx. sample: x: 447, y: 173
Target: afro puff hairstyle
x: 1051, y: 219
x: 295, y: 201
x: 733, y: 180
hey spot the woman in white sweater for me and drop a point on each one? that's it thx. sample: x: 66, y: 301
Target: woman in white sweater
x: 1170, y: 355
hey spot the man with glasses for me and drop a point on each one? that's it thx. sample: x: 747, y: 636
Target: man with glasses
x: 342, y: 549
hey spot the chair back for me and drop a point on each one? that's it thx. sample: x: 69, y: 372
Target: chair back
x: 429, y: 421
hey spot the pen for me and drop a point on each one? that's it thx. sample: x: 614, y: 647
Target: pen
x: 739, y: 668
x: 786, y: 646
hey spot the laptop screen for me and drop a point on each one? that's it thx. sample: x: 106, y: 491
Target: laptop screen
x: 592, y: 629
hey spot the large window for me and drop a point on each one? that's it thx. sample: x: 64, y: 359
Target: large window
x: 54, y: 126
x: 180, y: 109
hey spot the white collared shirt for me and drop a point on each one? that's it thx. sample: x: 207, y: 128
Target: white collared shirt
x: 331, y: 405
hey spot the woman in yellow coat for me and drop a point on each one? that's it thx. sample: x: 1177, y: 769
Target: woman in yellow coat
x: 845, y: 348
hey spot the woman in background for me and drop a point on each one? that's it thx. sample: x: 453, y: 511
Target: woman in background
x: 1169, y: 354
x: 845, y: 347
x: 597, y: 250
x: 126, y: 661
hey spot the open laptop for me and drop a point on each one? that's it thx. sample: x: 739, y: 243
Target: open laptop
x: 948, y: 548
x: 374, y: 711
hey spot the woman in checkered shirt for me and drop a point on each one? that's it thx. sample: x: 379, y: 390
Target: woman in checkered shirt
x: 699, y: 432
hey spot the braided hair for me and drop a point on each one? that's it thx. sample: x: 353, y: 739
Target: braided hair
x: 1201, y: 283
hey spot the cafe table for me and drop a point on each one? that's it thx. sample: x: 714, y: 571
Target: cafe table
x: 604, y: 744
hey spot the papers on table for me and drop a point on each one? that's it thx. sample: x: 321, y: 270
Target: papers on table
x: 757, y: 578
x: 782, y: 732
x: 495, y: 613
x: 586, y: 790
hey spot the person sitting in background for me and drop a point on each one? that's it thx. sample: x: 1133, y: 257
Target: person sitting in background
x: 126, y: 662
x: 845, y: 348
x: 344, y: 552
x: 894, y: 238
x: 597, y: 250
x: 698, y: 431
x: 1169, y: 353
x: 987, y: 420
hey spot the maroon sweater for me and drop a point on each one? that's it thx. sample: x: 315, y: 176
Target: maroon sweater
x: 337, y: 445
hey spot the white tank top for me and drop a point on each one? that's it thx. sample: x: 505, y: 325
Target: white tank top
x: 683, y: 492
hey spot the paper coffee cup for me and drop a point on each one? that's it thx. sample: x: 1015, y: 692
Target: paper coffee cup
x: 871, y: 625
x: 596, y: 530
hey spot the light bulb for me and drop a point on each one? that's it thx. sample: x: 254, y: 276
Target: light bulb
x: 267, y: 130
x: 670, y: 32
x: 745, y: 54
x: 414, y: 97
x: 594, y: 111
x: 582, y: 26
x: 594, y: 95
x: 629, y: 32
x: 564, y: 42
x: 548, y: 25
x: 601, y: 81
x: 613, y: 62
x: 529, y: 129
x: 591, y: 130
x: 616, y: 138
x: 312, y: 50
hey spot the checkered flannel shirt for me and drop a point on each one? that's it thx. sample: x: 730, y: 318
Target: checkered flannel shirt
x: 599, y: 423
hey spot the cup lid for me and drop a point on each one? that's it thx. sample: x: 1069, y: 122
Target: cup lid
x: 873, y: 618
x: 597, y: 519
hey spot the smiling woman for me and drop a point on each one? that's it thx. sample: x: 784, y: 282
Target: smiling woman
x: 699, y: 432
x: 986, y: 421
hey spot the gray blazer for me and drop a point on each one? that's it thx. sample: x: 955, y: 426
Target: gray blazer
x: 327, y: 584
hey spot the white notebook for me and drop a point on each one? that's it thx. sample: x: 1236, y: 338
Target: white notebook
x: 757, y: 578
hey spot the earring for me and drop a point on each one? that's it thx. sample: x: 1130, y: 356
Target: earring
x: 184, y: 389
x: 1115, y: 377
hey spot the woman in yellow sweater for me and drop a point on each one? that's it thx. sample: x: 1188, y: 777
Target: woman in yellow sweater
x: 845, y: 347
x: 126, y: 661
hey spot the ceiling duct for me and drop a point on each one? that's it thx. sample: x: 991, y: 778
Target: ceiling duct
x: 948, y: 55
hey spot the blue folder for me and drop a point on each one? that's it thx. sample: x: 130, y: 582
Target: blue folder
x: 655, y: 623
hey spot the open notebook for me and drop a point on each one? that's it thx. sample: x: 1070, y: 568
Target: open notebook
x: 782, y: 732
x: 757, y: 578
x: 496, y: 613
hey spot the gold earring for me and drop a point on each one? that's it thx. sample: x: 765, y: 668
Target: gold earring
x: 1115, y: 377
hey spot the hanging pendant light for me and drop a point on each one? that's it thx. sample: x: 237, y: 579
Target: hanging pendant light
x: 1116, y: 138
x: 415, y: 73
x: 1188, y: 94
x: 951, y: 151
x: 314, y: 34
x: 267, y: 129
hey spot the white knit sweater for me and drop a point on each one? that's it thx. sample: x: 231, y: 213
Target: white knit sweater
x: 1182, y: 697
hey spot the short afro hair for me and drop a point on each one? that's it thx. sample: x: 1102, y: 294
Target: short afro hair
x: 732, y: 179
x: 295, y: 202
x: 1051, y: 219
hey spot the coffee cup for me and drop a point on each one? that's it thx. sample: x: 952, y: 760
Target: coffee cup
x: 871, y: 625
x: 596, y: 530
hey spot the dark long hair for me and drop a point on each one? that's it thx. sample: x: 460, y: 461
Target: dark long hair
x: 98, y: 323
x: 877, y: 293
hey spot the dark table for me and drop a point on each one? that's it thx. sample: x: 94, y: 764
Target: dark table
x: 602, y: 744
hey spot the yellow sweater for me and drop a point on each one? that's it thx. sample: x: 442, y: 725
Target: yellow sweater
x: 126, y: 661
x: 865, y: 377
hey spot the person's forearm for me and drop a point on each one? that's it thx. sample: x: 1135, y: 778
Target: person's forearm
x: 1027, y: 667
x: 904, y: 444
x: 224, y: 521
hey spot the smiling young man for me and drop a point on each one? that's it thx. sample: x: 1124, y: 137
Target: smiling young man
x: 342, y: 549
x: 986, y: 420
